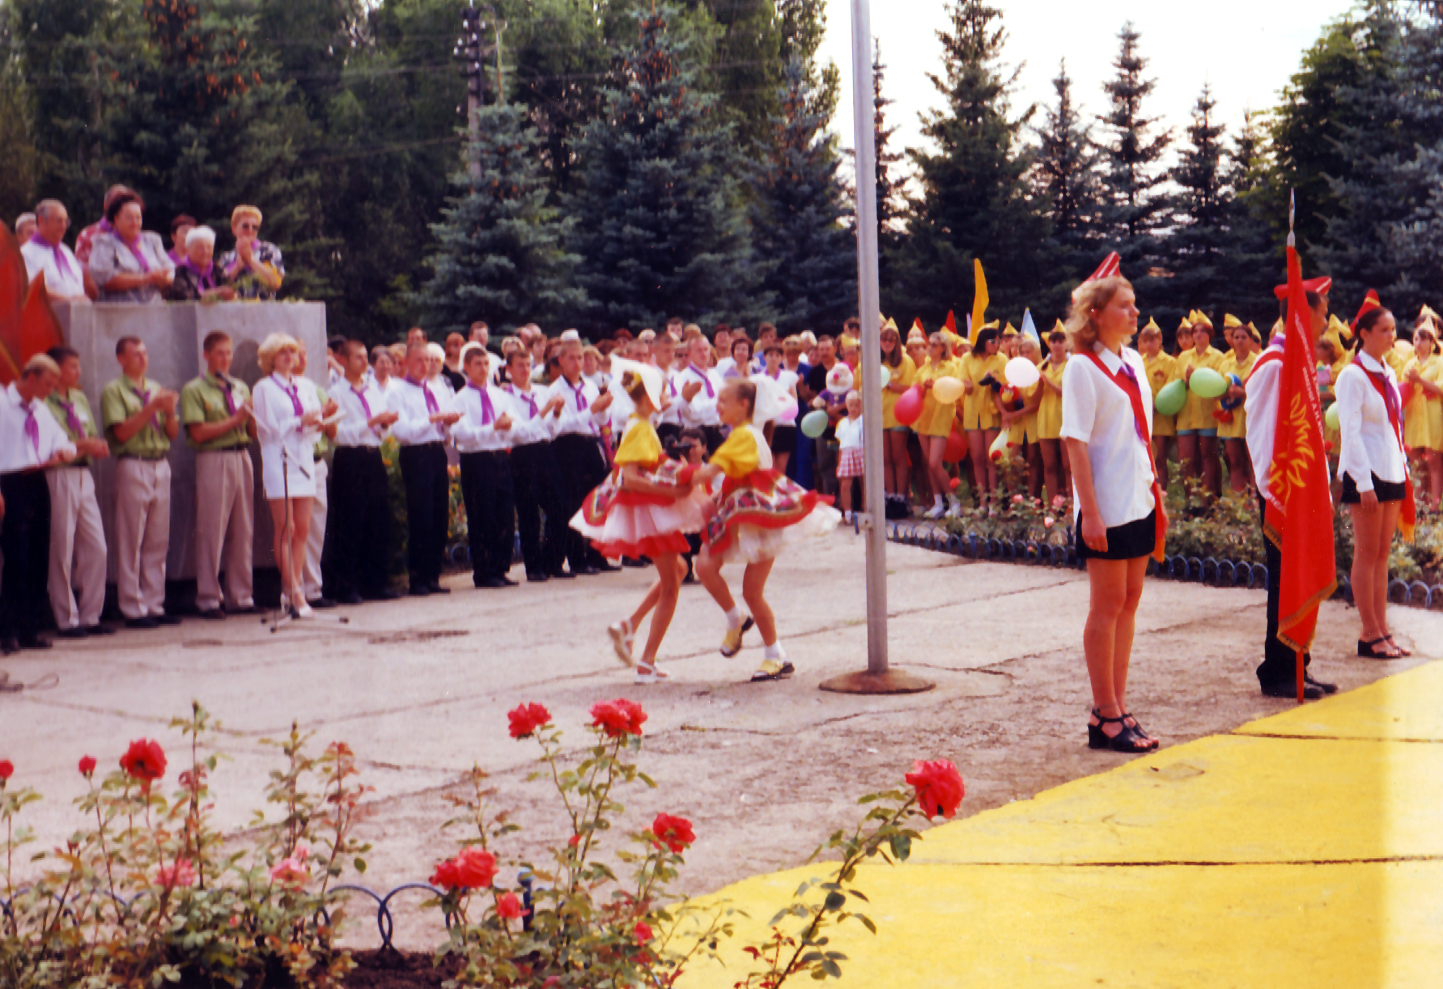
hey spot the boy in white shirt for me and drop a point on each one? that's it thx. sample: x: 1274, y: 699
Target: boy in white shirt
x: 483, y: 439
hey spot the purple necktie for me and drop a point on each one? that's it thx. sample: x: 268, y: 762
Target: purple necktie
x: 365, y: 405
x: 704, y: 380
x: 488, y: 412
x: 32, y: 429
x: 72, y: 421
x: 225, y: 386
x: 530, y: 400
x: 580, y: 391
x: 61, y: 264
x: 294, y: 394
x: 431, y: 405
x: 144, y: 398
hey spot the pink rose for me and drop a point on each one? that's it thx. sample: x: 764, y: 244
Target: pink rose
x: 182, y: 873
x: 508, y: 907
x: 290, y: 871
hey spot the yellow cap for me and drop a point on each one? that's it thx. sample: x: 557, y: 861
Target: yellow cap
x: 890, y: 324
x: 1231, y: 322
x: 1009, y: 330
x: 1151, y: 326
x: 1342, y: 329
x: 1202, y: 318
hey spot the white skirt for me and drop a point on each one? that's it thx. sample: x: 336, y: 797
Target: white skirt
x: 756, y: 544
x: 299, y: 480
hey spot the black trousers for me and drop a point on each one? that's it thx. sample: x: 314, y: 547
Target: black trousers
x: 583, y: 467
x: 25, y: 543
x: 359, y: 529
x: 490, y: 512
x: 423, y: 468
x: 1279, y: 663
x: 536, y: 484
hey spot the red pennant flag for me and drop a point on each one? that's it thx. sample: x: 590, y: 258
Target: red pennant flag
x: 951, y: 325
x: 1299, y: 515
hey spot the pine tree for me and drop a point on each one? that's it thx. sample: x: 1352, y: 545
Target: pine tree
x: 658, y: 223
x: 1198, y: 248
x: 798, y: 235
x: 976, y: 201
x: 1136, y: 207
x: 890, y: 201
x: 1065, y: 176
x: 500, y: 254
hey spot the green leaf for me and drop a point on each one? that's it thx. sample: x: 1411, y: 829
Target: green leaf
x: 832, y: 968
x: 834, y: 901
x: 360, y: 864
x: 867, y: 923
x: 901, y: 847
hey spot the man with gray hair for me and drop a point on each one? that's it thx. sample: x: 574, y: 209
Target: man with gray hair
x: 196, y: 278
x: 45, y: 253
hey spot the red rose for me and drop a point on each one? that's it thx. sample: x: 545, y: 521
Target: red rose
x: 642, y: 932
x: 618, y: 718
x: 144, y: 761
x: 673, y: 832
x: 527, y: 718
x: 508, y: 907
x: 7, y: 770
x: 445, y: 875
x: 87, y: 766
x: 939, y: 787
x: 474, y: 868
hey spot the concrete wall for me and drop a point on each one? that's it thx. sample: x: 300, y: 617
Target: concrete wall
x: 173, y: 333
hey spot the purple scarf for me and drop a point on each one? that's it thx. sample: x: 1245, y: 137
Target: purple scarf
x: 135, y: 250
x: 293, y: 392
x: 32, y: 428
x: 431, y: 405
x: 488, y: 411
x: 72, y: 421
x: 530, y: 399
x: 704, y: 380
x: 225, y: 386
x: 204, y: 277
x: 61, y: 263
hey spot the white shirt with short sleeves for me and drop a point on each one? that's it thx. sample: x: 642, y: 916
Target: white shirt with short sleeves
x: 849, y: 433
x: 19, y: 451
x: 59, y: 281
x: 1098, y: 412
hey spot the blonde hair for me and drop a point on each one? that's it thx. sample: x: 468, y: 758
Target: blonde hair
x: 244, y: 211
x: 273, y: 345
x: 39, y: 364
x: 944, y: 340
x: 1090, y: 297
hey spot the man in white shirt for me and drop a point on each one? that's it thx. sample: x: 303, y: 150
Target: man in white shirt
x: 361, y: 502
x: 576, y: 427
x: 700, y: 386
x: 30, y: 441
x: 663, y: 355
x: 536, y: 481
x: 1277, y: 674
x: 483, y: 439
x: 45, y: 253
x: 425, y: 414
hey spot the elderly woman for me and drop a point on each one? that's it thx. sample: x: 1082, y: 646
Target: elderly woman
x: 288, y: 421
x: 25, y: 227
x: 255, y: 267
x: 129, y: 264
x: 195, y: 276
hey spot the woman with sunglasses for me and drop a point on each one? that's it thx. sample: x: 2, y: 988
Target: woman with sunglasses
x: 255, y: 267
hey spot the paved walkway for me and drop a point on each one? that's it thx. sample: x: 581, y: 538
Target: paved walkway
x: 1303, y: 849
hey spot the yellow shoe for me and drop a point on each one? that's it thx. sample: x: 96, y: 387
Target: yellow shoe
x: 773, y: 669
x: 732, y: 641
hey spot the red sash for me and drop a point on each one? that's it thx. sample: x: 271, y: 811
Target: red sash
x: 1408, y: 512
x: 1269, y: 356
x: 1134, y: 395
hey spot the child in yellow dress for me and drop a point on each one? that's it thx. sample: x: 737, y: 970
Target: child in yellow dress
x: 937, y: 421
x: 1021, y: 421
x: 1056, y: 471
x: 981, y: 376
x: 1423, y: 413
x: 1197, y: 430
x: 643, y: 508
x: 902, y: 373
x: 1233, y: 422
x: 759, y: 512
x: 1161, y: 371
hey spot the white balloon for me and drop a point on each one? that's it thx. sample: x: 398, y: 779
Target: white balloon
x: 886, y: 375
x: 1021, y: 373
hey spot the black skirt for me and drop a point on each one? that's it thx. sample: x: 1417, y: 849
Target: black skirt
x: 1385, y: 490
x: 1124, y: 542
x: 784, y: 439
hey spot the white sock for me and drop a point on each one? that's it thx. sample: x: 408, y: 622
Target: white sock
x: 775, y: 651
x: 735, y: 618
x: 936, y: 501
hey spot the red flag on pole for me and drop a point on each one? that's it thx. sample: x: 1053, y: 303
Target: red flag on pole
x: 1299, y: 514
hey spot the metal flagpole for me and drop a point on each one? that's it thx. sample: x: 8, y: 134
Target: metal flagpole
x: 878, y: 678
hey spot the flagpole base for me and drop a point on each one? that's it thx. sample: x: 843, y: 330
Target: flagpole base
x: 890, y: 682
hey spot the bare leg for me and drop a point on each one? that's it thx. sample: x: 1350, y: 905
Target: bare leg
x: 754, y: 585
x: 1212, y: 468
x: 1159, y: 457
x: 977, y: 450
x: 1388, y: 524
x: 301, y: 512
x: 1052, y: 466
x: 1367, y: 547
x: 669, y: 576
x: 708, y: 571
x: 1434, y: 459
x: 845, y: 483
x: 1187, y: 455
x: 1126, y: 623
x: 1107, y: 581
x: 935, y: 447
x: 989, y: 437
x: 779, y: 462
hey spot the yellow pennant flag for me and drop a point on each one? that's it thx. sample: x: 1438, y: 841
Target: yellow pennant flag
x: 979, y: 301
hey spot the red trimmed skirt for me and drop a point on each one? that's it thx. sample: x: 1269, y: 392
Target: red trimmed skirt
x: 625, y: 523
x: 761, y: 515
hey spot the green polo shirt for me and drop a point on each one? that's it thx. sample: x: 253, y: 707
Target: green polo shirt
x: 80, y: 406
x: 118, y: 402
x: 323, y: 444
x: 203, y: 400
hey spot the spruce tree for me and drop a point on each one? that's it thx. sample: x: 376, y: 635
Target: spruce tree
x: 975, y: 201
x: 890, y: 201
x: 1254, y: 261
x: 659, y: 226
x: 745, y: 73
x: 500, y: 254
x: 1136, y: 207
x: 1198, y: 247
x: 1066, y: 179
x: 798, y: 235
x: 803, y: 26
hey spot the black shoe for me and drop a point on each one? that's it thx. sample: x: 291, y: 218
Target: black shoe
x: 491, y: 582
x: 214, y: 614
x: 537, y: 578
x: 1289, y: 689
x: 386, y: 595
x: 603, y: 567
x: 76, y: 632
x: 145, y: 621
x: 100, y: 630
x: 34, y: 642
x: 322, y: 602
x: 588, y: 571
x: 420, y: 591
x: 561, y: 575
x: 1308, y: 681
x: 167, y: 619
x: 439, y: 588
x: 7, y: 646
x: 349, y: 598
x: 505, y: 580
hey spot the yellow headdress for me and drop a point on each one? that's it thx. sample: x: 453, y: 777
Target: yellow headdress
x: 1427, y: 313
x: 1231, y: 322
x: 1201, y: 317
x: 1336, y: 333
x: 1152, y: 326
x: 1009, y: 330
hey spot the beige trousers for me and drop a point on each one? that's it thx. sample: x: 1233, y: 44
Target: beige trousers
x: 224, y: 528
x: 316, y: 538
x: 142, y: 535
x: 77, y: 548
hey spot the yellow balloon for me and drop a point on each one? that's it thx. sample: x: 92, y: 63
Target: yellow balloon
x: 947, y: 389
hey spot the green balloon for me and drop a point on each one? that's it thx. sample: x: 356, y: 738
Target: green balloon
x: 814, y: 424
x: 1171, y: 397
x: 1207, y: 383
x: 1331, y: 417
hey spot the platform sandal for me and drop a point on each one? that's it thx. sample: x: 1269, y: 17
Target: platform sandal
x: 1127, y: 740
x: 1370, y: 650
x: 1394, y: 643
x: 1137, y: 727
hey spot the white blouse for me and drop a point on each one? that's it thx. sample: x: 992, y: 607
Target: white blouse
x: 1370, y: 445
x: 277, y: 424
x: 1096, y: 411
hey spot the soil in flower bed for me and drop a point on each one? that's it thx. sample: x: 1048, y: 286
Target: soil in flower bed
x: 384, y: 968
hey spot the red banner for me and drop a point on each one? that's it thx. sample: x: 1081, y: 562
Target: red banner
x: 1299, y: 515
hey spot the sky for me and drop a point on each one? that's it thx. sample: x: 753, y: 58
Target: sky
x: 1247, y: 50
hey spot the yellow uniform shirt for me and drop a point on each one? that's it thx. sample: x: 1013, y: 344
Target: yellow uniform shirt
x: 1198, y: 412
x: 1238, y: 428
x: 978, y: 409
x: 904, y: 373
x: 936, y: 418
x: 738, y: 456
x: 640, y: 445
x: 1423, y: 415
x: 1049, y: 411
x: 1161, y: 371
x: 1025, y: 429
